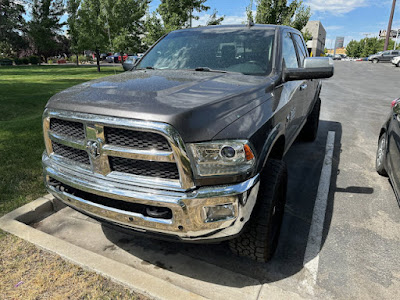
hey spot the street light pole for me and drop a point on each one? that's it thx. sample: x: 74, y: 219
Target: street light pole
x: 389, y: 29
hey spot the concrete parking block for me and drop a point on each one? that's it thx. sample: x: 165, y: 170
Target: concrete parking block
x: 88, y: 243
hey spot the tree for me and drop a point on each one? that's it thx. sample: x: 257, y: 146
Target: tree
x: 45, y: 25
x: 125, y: 20
x: 177, y: 14
x: 353, y: 49
x: 249, y: 12
x: 154, y: 29
x: 214, y: 20
x: 73, y: 30
x: 92, y: 26
x: 280, y: 13
x: 12, y: 24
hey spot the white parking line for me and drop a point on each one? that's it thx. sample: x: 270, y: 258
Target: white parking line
x: 311, y: 256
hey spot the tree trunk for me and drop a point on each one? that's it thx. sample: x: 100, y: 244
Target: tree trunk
x: 98, y: 59
x: 77, y: 60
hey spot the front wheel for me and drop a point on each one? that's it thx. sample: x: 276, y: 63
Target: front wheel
x: 375, y: 61
x: 260, y: 237
x: 381, y: 156
x: 398, y: 64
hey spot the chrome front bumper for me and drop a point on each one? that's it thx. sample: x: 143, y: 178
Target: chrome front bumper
x: 188, y: 213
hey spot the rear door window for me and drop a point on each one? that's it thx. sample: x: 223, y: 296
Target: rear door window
x: 301, y: 50
x: 289, y: 51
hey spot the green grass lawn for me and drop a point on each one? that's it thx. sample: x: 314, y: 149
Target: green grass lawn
x: 24, y: 92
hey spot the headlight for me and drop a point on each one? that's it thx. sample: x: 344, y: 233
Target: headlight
x: 222, y: 157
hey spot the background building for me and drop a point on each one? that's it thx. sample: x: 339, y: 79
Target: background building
x: 316, y: 45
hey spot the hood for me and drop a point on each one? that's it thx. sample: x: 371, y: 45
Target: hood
x: 197, y: 104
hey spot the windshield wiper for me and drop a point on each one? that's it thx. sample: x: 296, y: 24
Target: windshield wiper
x: 146, y: 68
x: 207, y: 69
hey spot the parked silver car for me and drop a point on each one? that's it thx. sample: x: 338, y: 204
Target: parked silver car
x: 385, y: 56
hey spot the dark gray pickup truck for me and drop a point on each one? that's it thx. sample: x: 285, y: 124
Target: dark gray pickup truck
x: 189, y: 144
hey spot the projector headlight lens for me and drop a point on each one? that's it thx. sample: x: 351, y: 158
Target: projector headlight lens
x: 222, y: 157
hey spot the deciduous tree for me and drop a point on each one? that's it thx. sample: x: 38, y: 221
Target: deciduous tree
x: 214, y: 19
x: 73, y: 29
x: 177, y: 14
x: 93, y: 26
x: 279, y: 12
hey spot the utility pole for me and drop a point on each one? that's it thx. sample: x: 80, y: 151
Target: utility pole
x: 389, y: 29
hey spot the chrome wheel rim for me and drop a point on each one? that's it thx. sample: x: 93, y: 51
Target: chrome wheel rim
x: 381, y: 151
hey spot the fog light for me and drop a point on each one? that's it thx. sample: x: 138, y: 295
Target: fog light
x: 219, y: 213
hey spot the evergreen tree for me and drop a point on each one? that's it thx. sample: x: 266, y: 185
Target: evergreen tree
x: 12, y: 24
x: 45, y: 25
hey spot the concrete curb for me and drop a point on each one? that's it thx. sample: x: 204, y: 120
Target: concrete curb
x: 139, y: 281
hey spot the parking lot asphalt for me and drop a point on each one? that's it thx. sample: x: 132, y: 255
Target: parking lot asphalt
x: 340, y: 237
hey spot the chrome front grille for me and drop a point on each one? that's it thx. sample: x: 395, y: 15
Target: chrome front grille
x: 135, y: 139
x: 141, y: 152
x: 68, y: 128
x: 71, y: 153
x: 144, y: 168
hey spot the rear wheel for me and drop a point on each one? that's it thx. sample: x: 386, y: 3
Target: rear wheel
x: 381, y: 156
x: 310, y: 129
x: 260, y: 237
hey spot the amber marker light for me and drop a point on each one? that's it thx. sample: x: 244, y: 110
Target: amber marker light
x: 249, y: 154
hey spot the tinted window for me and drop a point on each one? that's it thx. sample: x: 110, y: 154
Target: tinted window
x: 289, y: 52
x: 395, y: 52
x: 248, y: 51
x: 300, y: 48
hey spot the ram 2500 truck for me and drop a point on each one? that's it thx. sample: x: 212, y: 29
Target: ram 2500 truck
x: 189, y: 144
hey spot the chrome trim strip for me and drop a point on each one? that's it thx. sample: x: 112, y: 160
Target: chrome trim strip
x: 97, y: 123
x: 125, y: 152
x: 66, y: 140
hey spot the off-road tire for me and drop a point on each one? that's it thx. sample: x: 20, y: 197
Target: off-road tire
x: 381, y: 156
x: 259, y: 238
x: 310, y: 129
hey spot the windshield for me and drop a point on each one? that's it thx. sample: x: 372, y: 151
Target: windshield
x: 248, y: 51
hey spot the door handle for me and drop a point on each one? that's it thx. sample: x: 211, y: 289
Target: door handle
x: 303, y: 86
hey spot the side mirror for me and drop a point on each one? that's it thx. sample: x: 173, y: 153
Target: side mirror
x: 313, y: 68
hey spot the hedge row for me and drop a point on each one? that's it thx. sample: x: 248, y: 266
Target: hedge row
x: 5, y: 61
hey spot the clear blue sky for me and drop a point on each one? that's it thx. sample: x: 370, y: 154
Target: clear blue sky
x: 349, y: 18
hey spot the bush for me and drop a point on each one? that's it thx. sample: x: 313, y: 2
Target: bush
x: 34, y: 60
x: 25, y: 60
x: 50, y: 61
x: 18, y: 61
x: 5, y: 61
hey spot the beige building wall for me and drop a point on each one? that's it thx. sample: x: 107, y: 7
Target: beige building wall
x: 316, y: 46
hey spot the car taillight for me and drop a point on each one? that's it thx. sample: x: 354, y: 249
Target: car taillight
x: 395, y: 101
